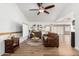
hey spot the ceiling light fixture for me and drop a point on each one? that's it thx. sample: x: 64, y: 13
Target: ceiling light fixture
x: 41, y: 10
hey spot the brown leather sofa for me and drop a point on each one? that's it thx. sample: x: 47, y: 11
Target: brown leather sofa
x: 51, y: 40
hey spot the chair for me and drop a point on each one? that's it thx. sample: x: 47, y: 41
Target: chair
x: 11, y: 44
x: 51, y: 40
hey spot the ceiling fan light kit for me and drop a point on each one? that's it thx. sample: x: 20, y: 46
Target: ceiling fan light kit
x: 41, y: 10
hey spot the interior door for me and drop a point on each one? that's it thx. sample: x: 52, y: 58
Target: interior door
x: 25, y: 31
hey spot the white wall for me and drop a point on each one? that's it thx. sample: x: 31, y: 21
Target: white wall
x: 10, y: 16
x: 77, y: 34
x: 11, y: 20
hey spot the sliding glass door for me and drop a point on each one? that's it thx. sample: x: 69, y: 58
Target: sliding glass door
x: 64, y: 32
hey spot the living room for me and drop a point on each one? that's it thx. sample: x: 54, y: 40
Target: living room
x: 25, y: 21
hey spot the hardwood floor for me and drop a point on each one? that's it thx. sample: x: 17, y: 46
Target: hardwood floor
x: 27, y: 50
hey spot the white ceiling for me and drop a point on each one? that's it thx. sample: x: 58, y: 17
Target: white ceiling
x: 55, y: 13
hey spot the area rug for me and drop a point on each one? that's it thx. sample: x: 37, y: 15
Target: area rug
x: 34, y: 43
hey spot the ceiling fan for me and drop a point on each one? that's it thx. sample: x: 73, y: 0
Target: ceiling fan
x: 42, y: 9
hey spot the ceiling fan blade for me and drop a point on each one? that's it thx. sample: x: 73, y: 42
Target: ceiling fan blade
x: 48, y: 7
x: 39, y: 4
x: 46, y: 12
x: 38, y: 13
x: 33, y: 9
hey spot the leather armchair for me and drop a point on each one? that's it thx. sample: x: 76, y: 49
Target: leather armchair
x: 51, y: 40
